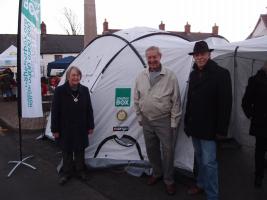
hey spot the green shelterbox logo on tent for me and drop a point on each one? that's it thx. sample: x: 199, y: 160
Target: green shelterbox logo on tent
x: 123, y: 97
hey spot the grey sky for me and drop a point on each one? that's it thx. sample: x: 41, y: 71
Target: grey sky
x: 236, y: 18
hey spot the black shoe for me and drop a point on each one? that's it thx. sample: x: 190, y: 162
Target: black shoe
x: 82, y: 176
x: 170, y: 189
x: 194, y: 190
x: 258, y: 182
x: 62, y: 180
x: 152, y: 180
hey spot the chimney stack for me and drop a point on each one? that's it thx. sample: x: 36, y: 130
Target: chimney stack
x: 105, y: 26
x: 215, y: 29
x: 187, y: 28
x: 162, y: 26
x: 43, y: 28
x: 89, y: 21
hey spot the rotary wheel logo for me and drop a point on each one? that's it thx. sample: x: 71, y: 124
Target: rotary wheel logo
x: 121, y: 115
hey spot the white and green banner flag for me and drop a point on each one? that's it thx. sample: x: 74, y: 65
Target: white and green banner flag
x: 31, y: 104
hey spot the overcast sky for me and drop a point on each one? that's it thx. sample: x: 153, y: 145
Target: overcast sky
x: 236, y: 18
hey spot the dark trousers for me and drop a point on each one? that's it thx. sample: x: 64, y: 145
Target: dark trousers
x: 160, y: 140
x: 260, y: 150
x: 73, y: 161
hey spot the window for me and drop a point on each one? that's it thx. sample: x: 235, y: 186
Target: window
x: 58, y: 57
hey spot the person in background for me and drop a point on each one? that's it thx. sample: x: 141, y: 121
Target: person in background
x: 208, y: 111
x: 254, y: 104
x: 158, y: 108
x: 71, y: 121
x: 44, y: 86
x: 54, y: 81
x: 7, y: 84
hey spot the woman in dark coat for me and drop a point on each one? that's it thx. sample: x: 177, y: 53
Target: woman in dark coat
x: 71, y: 122
x: 254, y: 104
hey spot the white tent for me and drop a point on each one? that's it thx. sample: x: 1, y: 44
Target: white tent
x: 243, y: 59
x: 9, y: 57
x: 110, y: 64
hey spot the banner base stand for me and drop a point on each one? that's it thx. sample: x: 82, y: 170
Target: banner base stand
x: 21, y: 162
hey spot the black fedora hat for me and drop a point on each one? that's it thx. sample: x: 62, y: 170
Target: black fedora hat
x: 200, y: 47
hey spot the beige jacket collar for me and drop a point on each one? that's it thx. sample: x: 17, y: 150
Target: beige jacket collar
x: 162, y: 72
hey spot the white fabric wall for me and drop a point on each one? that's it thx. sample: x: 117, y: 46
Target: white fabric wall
x: 247, y: 64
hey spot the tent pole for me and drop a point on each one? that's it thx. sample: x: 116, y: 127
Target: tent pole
x: 235, y: 90
x: 252, y: 66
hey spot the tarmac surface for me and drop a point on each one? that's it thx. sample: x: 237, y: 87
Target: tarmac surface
x: 235, y: 171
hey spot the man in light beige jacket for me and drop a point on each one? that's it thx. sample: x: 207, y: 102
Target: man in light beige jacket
x: 158, y: 107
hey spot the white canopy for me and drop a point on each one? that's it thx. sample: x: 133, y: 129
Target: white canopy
x: 9, y: 57
x: 243, y: 59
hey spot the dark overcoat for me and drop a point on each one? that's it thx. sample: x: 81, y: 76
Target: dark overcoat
x: 209, y: 102
x: 254, y: 104
x: 72, y: 119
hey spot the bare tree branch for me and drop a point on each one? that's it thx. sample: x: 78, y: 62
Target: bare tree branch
x: 72, y: 27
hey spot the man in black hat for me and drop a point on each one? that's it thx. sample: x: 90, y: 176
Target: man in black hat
x: 207, y: 116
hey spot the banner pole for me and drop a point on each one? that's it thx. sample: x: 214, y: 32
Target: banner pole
x: 21, y: 160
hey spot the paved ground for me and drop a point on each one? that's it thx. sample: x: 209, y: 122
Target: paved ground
x: 235, y: 170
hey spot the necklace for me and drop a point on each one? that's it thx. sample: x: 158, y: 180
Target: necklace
x: 75, y: 99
